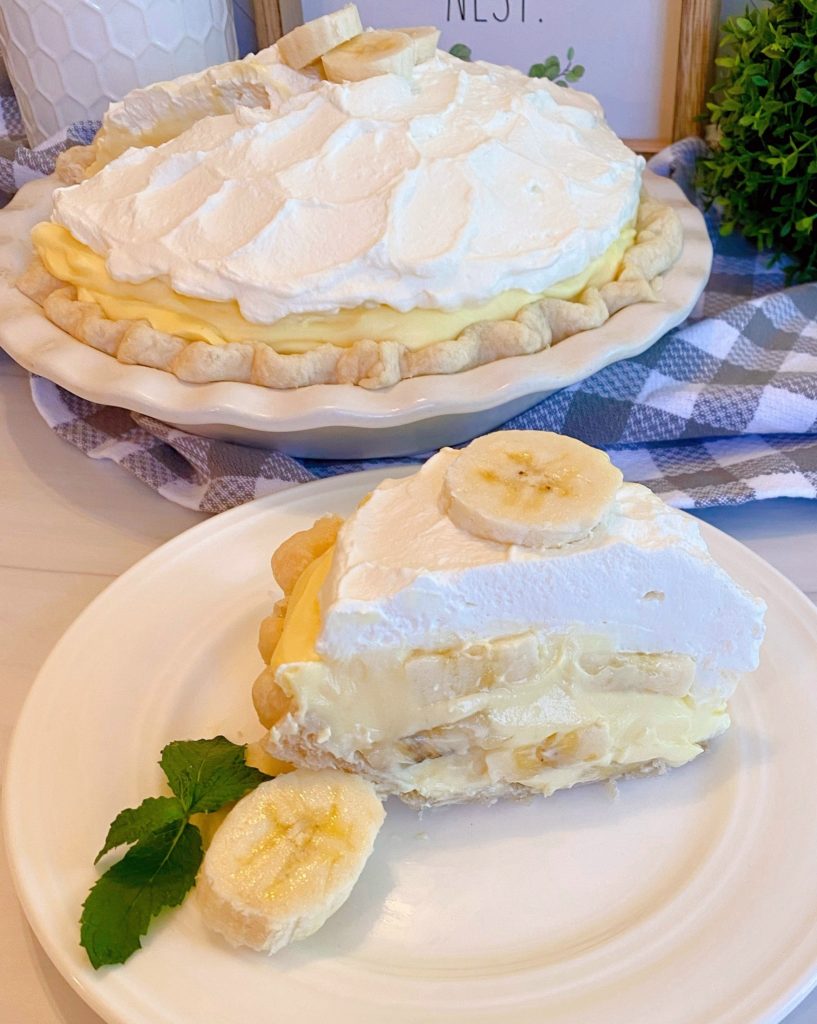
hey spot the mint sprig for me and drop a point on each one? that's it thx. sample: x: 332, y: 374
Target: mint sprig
x: 166, y: 850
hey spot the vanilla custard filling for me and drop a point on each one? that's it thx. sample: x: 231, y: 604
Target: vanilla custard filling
x: 542, y: 711
x: 217, y: 323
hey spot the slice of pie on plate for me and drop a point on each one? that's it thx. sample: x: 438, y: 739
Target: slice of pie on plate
x: 385, y: 211
x: 511, y: 619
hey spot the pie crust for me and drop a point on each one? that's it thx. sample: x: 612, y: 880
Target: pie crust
x: 368, y: 363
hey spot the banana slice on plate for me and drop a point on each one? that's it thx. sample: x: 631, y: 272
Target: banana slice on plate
x: 287, y: 856
x: 529, y: 487
x: 307, y: 43
x: 425, y: 39
x: 379, y: 52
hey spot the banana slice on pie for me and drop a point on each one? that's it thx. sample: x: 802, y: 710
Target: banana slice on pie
x: 510, y: 619
x: 425, y: 39
x: 380, y: 52
x: 530, y: 487
x: 308, y: 43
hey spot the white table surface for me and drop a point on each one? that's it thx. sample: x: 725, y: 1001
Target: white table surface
x: 69, y: 525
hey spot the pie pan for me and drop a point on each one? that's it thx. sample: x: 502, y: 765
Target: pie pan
x: 337, y: 420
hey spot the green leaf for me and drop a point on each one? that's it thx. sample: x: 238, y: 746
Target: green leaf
x: 744, y: 24
x: 156, y: 873
x: 206, y: 774
x: 135, y: 823
x: 461, y: 50
x: 571, y: 53
x: 575, y: 73
x: 537, y: 71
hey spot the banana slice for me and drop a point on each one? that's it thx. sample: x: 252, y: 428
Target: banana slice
x: 379, y: 52
x: 425, y: 38
x: 308, y: 42
x: 529, y: 487
x: 287, y: 856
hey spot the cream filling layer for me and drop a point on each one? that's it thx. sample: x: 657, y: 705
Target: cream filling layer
x: 218, y: 323
x: 541, y: 712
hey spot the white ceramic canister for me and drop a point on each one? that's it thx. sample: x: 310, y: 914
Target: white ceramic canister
x: 67, y: 59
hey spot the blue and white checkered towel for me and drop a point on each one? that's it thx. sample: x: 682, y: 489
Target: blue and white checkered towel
x: 721, y: 410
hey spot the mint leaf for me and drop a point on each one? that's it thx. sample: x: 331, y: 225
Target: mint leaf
x: 575, y: 73
x: 134, y: 823
x: 156, y: 873
x: 461, y: 50
x: 206, y: 774
x: 160, y: 869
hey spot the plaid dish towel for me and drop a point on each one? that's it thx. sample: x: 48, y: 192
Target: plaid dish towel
x: 720, y: 411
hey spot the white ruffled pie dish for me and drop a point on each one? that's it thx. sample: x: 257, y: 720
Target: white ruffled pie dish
x: 338, y: 420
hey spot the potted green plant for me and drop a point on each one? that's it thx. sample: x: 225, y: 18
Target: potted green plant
x: 763, y: 168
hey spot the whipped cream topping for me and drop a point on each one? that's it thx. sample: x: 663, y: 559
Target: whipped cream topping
x: 438, y: 193
x: 643, y: 578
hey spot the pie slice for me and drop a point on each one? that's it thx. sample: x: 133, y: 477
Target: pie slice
x: 511, y: 619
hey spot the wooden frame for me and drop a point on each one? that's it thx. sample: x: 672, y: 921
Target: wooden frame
x: 696, y: 50
x: 700, y: 20
x: 274, y: 17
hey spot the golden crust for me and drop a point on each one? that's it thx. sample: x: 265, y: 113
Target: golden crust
x: 368, y: 363
x: 73, y: 164
x: 297, y: 552
x: 288, y: 563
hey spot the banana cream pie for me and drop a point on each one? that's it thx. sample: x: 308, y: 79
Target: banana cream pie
x: 511, y: 619
x: 347, y: 207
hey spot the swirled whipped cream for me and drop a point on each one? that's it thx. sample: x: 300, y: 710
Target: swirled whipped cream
x: 440, y: 193
x: 643, y: 579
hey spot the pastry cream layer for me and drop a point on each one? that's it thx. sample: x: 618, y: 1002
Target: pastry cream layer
x: 218, y: 322
x: 544, y: 713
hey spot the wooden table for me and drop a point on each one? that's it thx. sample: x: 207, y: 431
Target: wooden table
x: 69, y: 525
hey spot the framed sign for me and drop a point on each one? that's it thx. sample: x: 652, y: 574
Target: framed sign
x: 647, y: 61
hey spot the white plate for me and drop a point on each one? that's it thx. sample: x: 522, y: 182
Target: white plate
x: 689, y: 900
x: 340, y: 421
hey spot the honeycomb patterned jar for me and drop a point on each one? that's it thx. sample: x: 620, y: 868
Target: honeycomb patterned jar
x: 67, y: 59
